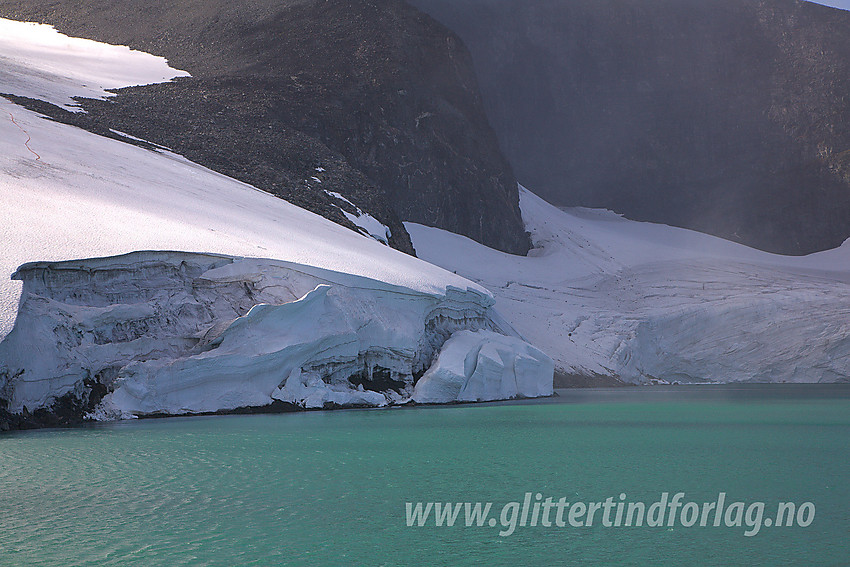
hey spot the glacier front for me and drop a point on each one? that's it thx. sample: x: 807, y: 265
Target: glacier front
x: 149, y: 333
x: 643, y: 303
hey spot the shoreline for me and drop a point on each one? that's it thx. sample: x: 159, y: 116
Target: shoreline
x: 749, y: 392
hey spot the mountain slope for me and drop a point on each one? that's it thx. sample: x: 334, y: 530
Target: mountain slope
x: 85, y: 195
x: 729, y: 117
x: 377, y: 95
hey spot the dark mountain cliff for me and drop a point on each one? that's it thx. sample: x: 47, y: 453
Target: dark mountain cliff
x: 370, y: 99
x: 727, y: 116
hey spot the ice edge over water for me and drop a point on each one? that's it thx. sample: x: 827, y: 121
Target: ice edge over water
x: 179, y: 333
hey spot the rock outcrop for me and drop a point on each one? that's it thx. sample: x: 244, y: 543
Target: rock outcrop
x: 730, y: 117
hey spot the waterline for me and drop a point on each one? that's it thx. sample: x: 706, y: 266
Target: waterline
x: 329, y: 487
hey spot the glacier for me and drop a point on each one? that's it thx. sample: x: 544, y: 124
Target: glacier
x: 647, y: 303
x: 158, y: 332
x: 82, y: 200
x: 145, y: 284
x: 477, y: 366
x: 161, y: 287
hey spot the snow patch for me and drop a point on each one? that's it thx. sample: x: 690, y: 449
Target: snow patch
x: 369, y: 225
x: 136, y: 139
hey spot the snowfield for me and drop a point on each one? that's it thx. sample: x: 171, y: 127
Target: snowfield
x: 268, y: 301
x: 645, y: 302
x: 38, y: 62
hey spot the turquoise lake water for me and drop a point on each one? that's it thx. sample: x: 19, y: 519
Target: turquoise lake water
x: 329, y: 488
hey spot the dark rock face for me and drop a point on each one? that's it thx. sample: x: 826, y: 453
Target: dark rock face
x: 66, y: 411
x: 372, y: 99
x: 731, y: 117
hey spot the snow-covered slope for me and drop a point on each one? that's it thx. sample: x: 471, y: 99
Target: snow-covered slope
x: 604, y: 295
x: 92, y: 196
x: 69, y: 194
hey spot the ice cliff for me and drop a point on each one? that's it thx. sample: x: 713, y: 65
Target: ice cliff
x: 481, y: 365
x: 176, y: 332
